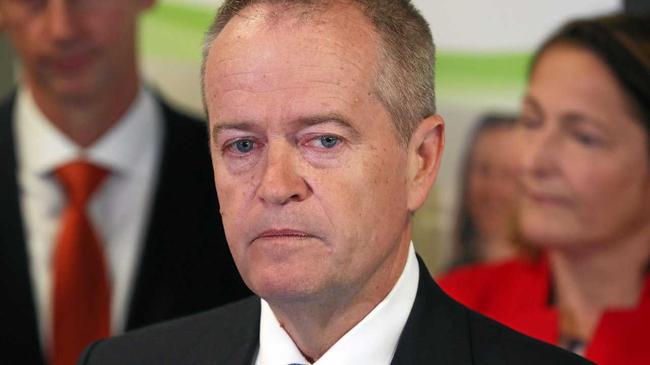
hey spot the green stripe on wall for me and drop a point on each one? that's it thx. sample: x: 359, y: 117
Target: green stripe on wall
x: 494, y: 70
x: 175, y: 32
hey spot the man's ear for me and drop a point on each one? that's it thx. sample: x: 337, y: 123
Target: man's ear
x: 424, y: 155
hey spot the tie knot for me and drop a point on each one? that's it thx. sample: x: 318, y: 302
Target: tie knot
x: 80, y: 179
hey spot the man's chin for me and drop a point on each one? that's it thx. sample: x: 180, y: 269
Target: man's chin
x: 76, y: 94
x: 283, y: 288
x: 73, y: 88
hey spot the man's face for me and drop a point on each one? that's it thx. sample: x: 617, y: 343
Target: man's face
x: 73, y: 48
x: 310, y: 175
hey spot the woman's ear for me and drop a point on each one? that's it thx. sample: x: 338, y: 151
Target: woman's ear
x: 424, y: 155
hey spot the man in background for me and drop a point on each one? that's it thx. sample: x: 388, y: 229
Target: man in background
x: 325, y: 141
x: 108, y: 216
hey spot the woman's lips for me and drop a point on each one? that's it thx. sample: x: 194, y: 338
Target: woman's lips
x: 547, y: 199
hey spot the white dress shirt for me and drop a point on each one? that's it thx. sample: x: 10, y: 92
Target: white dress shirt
x: 119, y: 209
x: 372, y: 341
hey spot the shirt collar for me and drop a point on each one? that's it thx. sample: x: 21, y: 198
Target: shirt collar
x: 371, y: 341
x: 42, y: 147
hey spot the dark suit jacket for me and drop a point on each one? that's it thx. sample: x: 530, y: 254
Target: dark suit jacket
x: 185, y: 265
x: 438, y: 331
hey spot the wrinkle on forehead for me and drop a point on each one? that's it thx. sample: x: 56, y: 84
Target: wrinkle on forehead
x: 264, y: 81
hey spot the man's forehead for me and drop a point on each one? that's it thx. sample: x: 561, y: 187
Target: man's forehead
x: 301, y: 12
x: 268, y: 19
x: 253, y: 56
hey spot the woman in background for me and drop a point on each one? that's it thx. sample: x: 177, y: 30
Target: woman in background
x: 585, y: 185
x: 485, y: 222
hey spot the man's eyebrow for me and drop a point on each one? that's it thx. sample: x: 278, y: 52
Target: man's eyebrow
x: 334, y: 118
x: 241, y: 126
x: 301, y: 122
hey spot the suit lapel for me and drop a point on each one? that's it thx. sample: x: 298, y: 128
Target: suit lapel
x: 19, y: 334
x: 239, y: 338
x: 153, y: 295
x: 436, y: 331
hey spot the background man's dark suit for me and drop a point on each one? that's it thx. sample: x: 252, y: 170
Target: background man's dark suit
x: 185, y: 265
x: 438, y: 331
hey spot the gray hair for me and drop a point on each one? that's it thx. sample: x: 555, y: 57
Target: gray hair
x: 405, y: 78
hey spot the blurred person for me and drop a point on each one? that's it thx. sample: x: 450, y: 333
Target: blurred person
x: 585, y: 180
x: 485, y: 221
x: 427, y: 233
x: 108, y: 215
x: 319, y: 164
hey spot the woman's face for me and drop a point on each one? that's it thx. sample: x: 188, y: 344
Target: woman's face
x: 492, y: 182
x: 585, y: 169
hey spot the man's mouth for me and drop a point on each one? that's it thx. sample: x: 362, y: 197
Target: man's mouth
x: 284, y: 233
x: 71, y: 63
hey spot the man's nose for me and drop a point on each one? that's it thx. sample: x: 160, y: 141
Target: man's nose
x: 281, y: 181
x: 61, y: 20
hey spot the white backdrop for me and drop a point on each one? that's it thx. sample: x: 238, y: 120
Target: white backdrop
x: 501, y: 25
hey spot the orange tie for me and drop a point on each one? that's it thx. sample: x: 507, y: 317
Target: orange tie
x: 81, y: 300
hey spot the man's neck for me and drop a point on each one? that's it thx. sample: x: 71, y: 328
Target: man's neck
x: 316, y: 325
x: 85, y: 120
x: 591, y: 281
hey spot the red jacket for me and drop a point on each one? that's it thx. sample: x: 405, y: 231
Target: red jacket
x: 516, y: 294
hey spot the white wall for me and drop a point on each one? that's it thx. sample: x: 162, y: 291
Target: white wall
x: 503, y: 25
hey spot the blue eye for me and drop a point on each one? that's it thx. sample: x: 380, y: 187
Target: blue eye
x: 329, y: 141
x: 244, y: 145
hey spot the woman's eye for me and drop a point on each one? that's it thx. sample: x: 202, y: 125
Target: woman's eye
x: 243, y: 145
x: 328, y: 141
x: 587, y: 139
